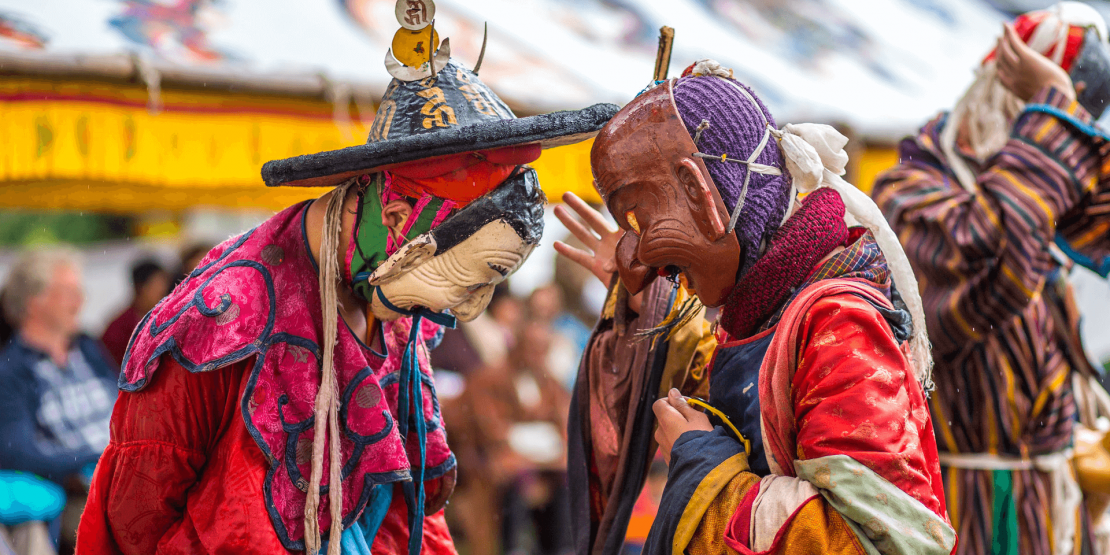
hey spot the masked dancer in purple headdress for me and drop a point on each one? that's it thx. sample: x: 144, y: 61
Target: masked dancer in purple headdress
x: 816, y: 437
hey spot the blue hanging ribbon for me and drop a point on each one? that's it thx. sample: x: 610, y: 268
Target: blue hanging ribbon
x: 411, y: 392
x: 356, y: 540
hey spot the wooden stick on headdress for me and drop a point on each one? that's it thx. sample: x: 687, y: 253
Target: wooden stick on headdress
x: 663, y: 55
x: 482, y: 54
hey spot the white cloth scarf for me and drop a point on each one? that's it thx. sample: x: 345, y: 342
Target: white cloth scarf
x: 815, y: 158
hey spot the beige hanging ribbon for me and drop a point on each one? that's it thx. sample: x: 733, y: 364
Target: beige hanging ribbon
x: 326, y: 425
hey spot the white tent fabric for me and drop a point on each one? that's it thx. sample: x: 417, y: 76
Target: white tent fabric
x: 882, y: 66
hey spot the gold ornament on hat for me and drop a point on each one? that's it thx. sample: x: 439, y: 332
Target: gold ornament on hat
x: 412, y: 47
x: 416, y: 52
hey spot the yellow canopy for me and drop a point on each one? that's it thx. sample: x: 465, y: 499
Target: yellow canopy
x: 97, y: 146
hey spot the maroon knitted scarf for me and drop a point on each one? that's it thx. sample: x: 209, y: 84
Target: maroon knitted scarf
x: 811, y: 233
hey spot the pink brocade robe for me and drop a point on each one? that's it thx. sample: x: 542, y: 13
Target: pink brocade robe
x: 211, y: 439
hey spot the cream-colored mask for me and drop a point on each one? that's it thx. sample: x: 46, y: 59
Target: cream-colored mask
x: 461, y: 279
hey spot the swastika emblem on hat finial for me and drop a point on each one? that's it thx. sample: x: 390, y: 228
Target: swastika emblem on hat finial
x: 415, y: 15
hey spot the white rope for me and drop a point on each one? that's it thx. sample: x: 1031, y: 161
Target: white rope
x: 326, y: 425
x: 753, y: 167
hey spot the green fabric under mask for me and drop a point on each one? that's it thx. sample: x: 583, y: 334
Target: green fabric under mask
x: 371, y: 236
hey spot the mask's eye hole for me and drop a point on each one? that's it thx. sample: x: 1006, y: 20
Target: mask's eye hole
x: 630, y: 217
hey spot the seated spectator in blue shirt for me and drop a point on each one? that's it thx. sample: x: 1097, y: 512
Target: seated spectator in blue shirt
x: 58, y: 385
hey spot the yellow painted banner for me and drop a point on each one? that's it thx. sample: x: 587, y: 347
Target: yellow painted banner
x: 93, y: 146
x: 98, y: 147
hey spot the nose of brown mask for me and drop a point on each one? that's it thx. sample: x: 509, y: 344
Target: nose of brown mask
x: 643, y: 163
x: 634, y: 275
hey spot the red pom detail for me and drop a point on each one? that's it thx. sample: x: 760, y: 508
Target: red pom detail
x: 1026, y: 24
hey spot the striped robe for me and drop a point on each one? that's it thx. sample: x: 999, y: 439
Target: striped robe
x: 989, y: 284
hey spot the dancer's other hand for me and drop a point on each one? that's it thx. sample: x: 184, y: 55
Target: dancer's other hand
x: 674, y: 417
x: 1025, y: 71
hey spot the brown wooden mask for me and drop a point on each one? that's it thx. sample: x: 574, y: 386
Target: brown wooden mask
x: 664, y: 199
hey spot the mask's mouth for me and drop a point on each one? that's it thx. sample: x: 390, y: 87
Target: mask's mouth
x: 671, y: 273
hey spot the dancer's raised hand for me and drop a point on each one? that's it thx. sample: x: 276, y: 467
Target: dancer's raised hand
x: 596, y: 233
x: 1025, y: 71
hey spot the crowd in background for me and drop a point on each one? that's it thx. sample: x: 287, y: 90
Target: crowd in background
x: 504, y: 383
x: 59, y: 388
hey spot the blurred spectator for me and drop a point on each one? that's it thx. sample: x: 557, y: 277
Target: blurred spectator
x: 455, y: 353
x: 191, y: 256
x: 496, y: 337
x: 149, y: 282
x: 511, y: 443
x: 484, y: 341
x: 569, y: 334
x: 59, y: 385
x: 6, y: 329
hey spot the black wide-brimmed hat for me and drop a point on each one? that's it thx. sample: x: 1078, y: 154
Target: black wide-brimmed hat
x: 450, y: 112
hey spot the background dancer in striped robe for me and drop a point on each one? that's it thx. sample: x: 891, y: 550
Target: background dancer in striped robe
x: 986, y: 199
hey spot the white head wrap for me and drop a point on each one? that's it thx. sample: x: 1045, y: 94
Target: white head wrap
x: 988, y: 108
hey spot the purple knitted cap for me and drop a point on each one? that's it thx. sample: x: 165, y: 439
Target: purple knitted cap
x: 735, y: 128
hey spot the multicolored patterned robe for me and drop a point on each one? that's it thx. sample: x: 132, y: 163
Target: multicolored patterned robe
x: 842, y: 457
x: 993, y: 302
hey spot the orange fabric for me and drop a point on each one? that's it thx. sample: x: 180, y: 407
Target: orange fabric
x: 711, y: 530
x: 816, y: 528
x: 643, y: 514
x: 183, y: 475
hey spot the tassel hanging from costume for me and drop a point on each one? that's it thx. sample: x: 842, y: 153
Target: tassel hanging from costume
x: 326, y: 408
x: 685, y: 308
